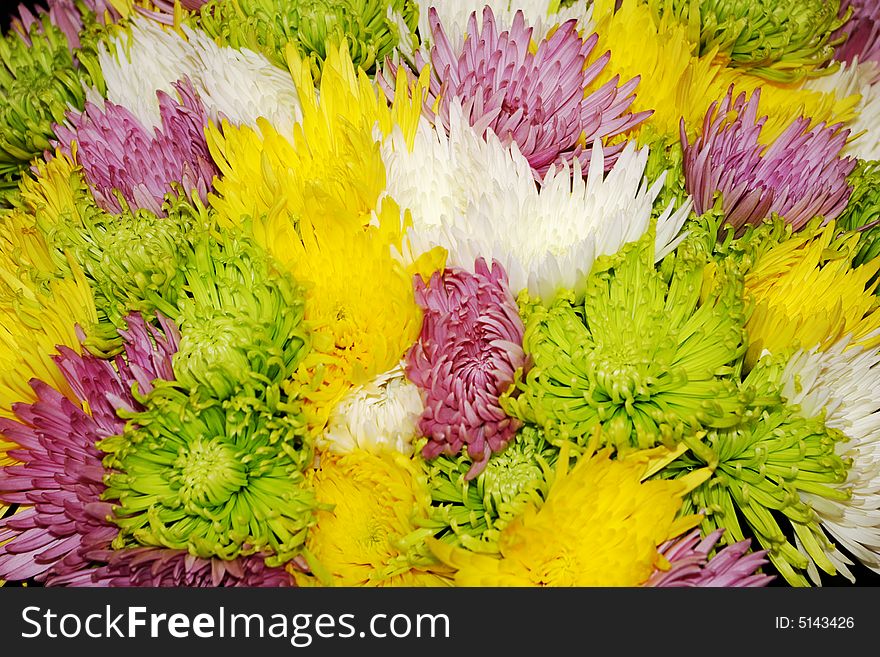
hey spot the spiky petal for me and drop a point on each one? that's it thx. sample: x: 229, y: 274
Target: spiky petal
x: 468, y: 351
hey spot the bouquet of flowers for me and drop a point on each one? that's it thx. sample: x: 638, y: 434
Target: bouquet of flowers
x: 440, y: 292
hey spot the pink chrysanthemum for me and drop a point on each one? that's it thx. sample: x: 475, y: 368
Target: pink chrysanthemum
x: 733, y: 566
x: 535, y: 98
x: 862, y: 30
x: 59, y: 478
x: 467, y: 353
x: 163, y: 11
x: 799, y: 176
x: 118, y: 153
x: 157, y: 567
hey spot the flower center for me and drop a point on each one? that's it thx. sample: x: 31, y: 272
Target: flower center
x: 208, y: 473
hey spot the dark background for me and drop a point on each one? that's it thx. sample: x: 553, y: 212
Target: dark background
x: 864, y: 577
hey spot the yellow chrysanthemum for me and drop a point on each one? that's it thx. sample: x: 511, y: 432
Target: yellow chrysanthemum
x: 673, y: 82
x: 677, y: 84
x: 807, y: 294
x: 330, y: 168
x: 359, y: 303
x: 372, y: 534
x: 600, y: 525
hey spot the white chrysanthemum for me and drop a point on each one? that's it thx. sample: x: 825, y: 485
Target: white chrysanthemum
x: 238, y: 85
x: 477, y: 198
x: 845, y: 384
x: 381, y: 415
x: 856, y: 78
x: 454, y: 15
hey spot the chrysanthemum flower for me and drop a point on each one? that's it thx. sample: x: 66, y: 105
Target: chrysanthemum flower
x: 599, y: 525
x: 367, y: 27
x: 689, y: 563
x: 477, y: 198
x: 371, y: 534
x: 762, y: 470
x: 647, y: 355
x: 39, y: 83
x: 241, y: 321
x: 862, y: 32
x: 382, y: 414
x: 157, y: 567
x: 219, y: 480
x: 363, y: 318
x: 540, y: 99
x: 471, y: 511
x: 118, y: 153
x: 329, y: 170
x: 542, y: 15
x: 468, y: 352
x: 842, y: 385
x: 862, y: 79
x: 806, y: 293
x: 799, y: 176
x: 239, y: 86
x: 862, y: 213
x: 59, y: 480
x: 781, y: 40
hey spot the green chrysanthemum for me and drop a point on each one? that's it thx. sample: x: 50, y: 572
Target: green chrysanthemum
x: 780, y: 40
x: 470, y: 512
x: 862, y: 212
x: 38, y: 83
x: 217, y: 479
x: 369, y: 26
x: 241, y: 321
x: 650, y: 355
x: 760, y: 469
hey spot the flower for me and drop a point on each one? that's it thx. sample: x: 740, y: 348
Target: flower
x: 840, y: 384
x: 538, y: 100
x: 689, y: 563
x: 806, y: 293
x: 599, y: 525
x: 329, y: 169
x: 369, y: 534
x: 314, y: 27
x: 59, y: 479
x: 780, y: 40
x: 468, y: 351
x: 239, y: 86
x: 382, y: 414
x: 799, y: 176
x: 761, y: 469
x: 241, y: 323
x: 119, y: 154
x: 477, y: 198
x: 646, y: 356
x: 862, y: 31
x: 39, y: 81
x: 156, y: 567
x: 217, y: 479
x: 471, y: 511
